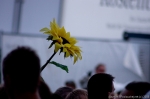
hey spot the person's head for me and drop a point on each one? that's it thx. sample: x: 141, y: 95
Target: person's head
x: 100, y: 86
x: 63, y: 91
x: 21, y: 70
x: 135, y: 89
x: 77, y: 94
x: 55, y: 96
x: 70, y: 84
x: 44, y: 90
x: 100, y: 68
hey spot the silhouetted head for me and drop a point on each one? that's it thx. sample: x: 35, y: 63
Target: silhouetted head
x: 63, y: 91
x: 100, y: 86
x: 21, y: 70
x: 55, y: 96
x: 77, y: 94
x: 135, y: 89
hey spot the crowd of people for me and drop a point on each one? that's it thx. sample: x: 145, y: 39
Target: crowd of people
x: 22, y: 80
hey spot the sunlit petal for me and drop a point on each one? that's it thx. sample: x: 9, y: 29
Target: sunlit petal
x: 57, y: 47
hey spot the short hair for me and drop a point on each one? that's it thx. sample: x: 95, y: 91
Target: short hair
x: 99, y: 65
x: 71, y: 83
x: 139, y: 88
x: 99, y: 85
x: 63, y: 91
x: 77, y: 94
x: 55, y: 96
x: 22, y: 66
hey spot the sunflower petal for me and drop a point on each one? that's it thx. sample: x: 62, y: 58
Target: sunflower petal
x: 67, y: 54
x: 59, y: 40
x: 55, y: 38
x: 57, y: 47
x: 75, y: 59
x: 68, y: 34
x: 62, y: 32
x: 71, y: 52
x: 64, y: 49
x: 54, y: 21
x: 67, y: 45
x: 44, y: 29
x: 72, y: 40
x: 53, y: 33
x: 79, y: 55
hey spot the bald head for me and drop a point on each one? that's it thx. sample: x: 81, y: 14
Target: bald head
x: 100, y: 68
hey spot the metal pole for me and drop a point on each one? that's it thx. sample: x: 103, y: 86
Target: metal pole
x: 17, y: 16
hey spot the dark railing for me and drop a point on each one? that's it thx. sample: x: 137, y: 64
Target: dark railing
x: 128, y: 35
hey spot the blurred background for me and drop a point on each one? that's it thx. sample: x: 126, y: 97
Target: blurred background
x: 110, y: 32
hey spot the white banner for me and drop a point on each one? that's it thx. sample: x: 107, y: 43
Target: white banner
x: 106, y: 19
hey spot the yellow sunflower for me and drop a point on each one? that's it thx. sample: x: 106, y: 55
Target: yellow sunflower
x: 52, y: 32
x: 62, y: 41
x: 73, y: 51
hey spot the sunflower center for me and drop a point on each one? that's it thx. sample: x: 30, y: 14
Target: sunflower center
x: 64, y: 41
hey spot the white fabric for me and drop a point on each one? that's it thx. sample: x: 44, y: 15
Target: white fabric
x: 119, y: 86
x: 131, y: 62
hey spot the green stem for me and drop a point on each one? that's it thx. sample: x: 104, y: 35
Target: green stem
x: 47, y: 62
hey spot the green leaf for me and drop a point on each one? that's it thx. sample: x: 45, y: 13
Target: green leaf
x: 64, y: 67
x: 52, y: 44
x: 49, y: 38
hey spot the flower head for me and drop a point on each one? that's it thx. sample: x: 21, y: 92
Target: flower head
x: 62, y: 40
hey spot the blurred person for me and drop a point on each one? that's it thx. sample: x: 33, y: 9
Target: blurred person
x: 63, y: 91
x: 135, y: 90
x: 83, y: 82
x: 77, y: 94
x: 100, y: 68
x: 21, y: 74
x: 100, y: 86
x: 70, y: 84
